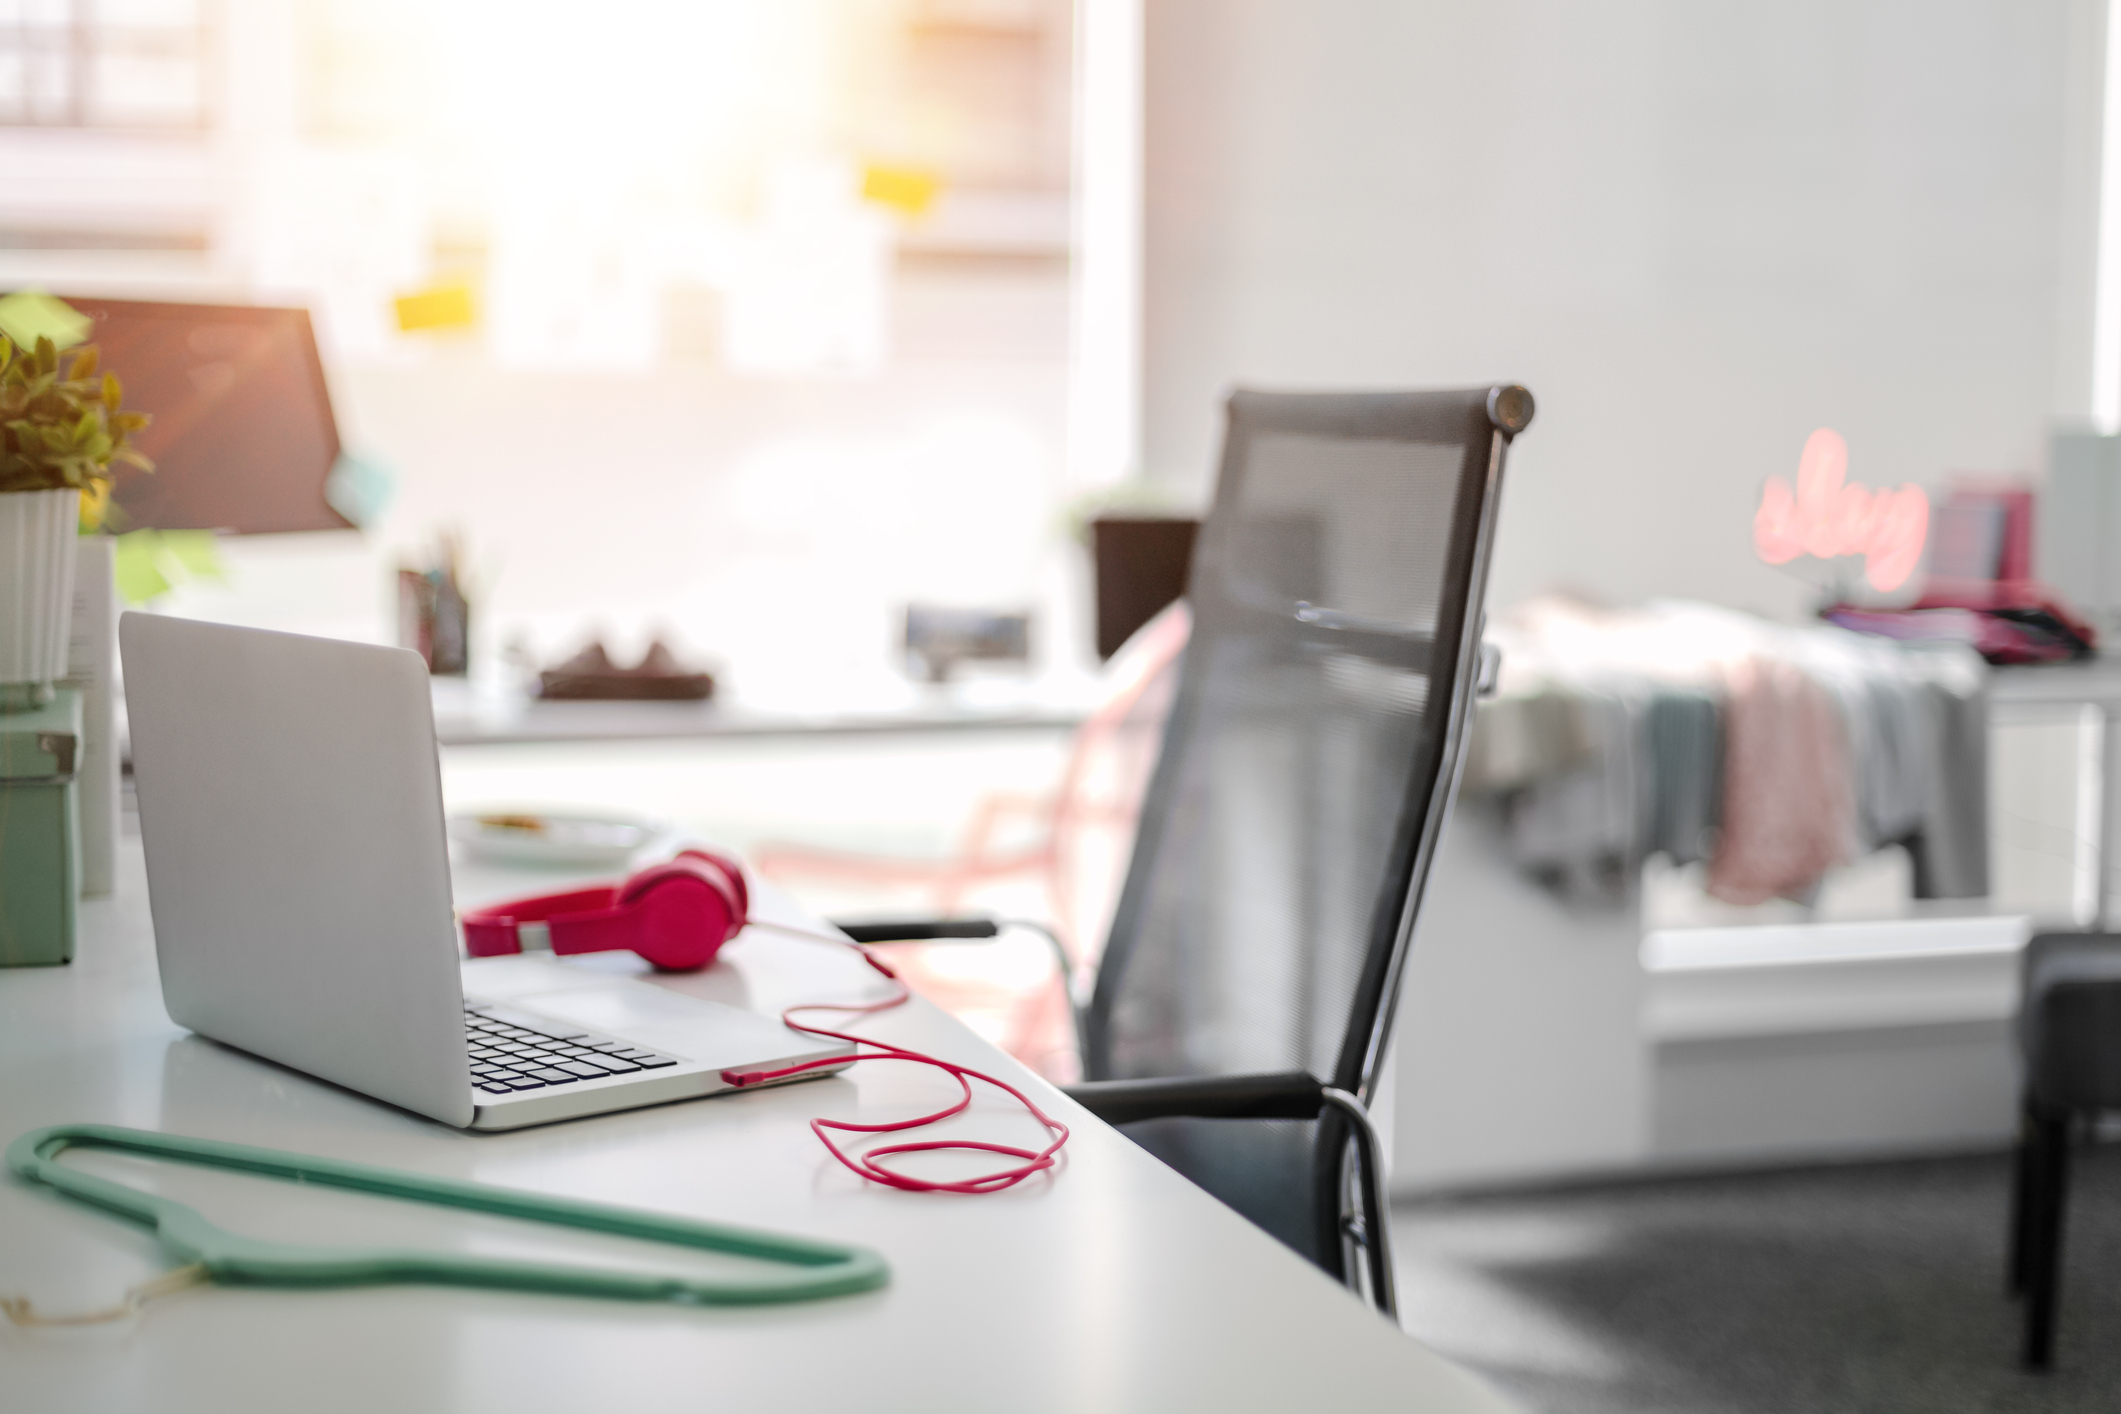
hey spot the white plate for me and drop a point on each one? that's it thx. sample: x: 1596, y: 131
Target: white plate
x: 550, y: 838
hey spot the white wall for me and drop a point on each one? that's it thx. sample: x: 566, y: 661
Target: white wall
x: 780, y: 525
x: 1696, y: 232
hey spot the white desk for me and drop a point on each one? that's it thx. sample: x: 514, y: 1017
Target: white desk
x: 465, y: 715
x: 1114, y: 1286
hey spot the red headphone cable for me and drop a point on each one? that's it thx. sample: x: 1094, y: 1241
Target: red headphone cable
x: 867, y: 1164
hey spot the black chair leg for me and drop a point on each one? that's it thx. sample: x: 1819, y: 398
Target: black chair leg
x: 2048, y: 1194
x: 2024, y: 1162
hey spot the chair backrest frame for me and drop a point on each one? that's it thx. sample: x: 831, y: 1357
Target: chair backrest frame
x: 1482, y: 422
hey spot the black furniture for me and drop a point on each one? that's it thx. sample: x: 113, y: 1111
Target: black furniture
x: 1139, y: 565
x: 2069, y: 1033
x: 1245, y: 993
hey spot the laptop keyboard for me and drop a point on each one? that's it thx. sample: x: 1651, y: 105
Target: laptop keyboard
x: 511, y: 1052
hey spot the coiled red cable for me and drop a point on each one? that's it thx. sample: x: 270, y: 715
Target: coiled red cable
x: 867, y: 1163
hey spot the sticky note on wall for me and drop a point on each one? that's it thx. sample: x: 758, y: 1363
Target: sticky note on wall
x: 908, y: 190
x: 28, y: 315
x: 443, y: 307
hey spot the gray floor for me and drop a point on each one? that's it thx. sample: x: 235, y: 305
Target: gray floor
x: 1874, y: 1287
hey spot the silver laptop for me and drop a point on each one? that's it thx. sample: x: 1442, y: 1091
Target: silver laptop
x: 291, y: 810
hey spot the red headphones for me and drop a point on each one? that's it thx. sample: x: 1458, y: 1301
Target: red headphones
x: 677, y: 915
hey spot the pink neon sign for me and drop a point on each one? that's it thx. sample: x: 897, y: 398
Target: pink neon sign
x: 1828, y: 515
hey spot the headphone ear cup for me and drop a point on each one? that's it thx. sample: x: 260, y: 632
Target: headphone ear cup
x: 684, y: 911
x: 731, y: 874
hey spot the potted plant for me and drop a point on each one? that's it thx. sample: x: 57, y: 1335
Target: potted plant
x: 61, y: 431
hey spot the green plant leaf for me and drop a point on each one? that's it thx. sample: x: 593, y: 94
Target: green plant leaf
x: 136, y: 567
x: 62, y: 423
x: 197, y: 552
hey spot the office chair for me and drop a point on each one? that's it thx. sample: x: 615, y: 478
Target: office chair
x: 1245, y: 993
x: 2069, y: 1033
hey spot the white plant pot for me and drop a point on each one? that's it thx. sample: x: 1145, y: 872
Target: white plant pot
x: 38, y: 530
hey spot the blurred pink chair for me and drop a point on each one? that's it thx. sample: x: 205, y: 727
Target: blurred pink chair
x: 1076, y: 845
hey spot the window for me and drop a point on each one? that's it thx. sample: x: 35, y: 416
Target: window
x: 123, y: 64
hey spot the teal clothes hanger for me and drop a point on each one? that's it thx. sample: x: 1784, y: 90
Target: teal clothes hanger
x: 804, y: 1269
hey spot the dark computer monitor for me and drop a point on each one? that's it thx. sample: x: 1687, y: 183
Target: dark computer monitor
x: 1140, y: 565
x: 243, y: 437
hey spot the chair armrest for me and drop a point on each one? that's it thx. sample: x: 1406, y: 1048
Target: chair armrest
x: 930, y: 930
x: 920, y: 930
x: 1289, y: 1094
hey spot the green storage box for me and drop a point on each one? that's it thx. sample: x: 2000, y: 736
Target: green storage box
x: 40, y: 832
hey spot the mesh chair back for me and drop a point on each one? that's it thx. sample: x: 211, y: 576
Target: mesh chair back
x: 1311, y: 752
